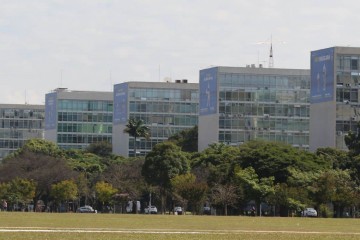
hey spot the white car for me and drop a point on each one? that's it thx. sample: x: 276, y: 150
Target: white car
x: 178, y: 210
x: 86, y: 209
x: 309, y: 212
x: 150, y: 210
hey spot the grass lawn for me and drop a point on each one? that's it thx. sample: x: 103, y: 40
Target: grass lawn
x: 14, y: 225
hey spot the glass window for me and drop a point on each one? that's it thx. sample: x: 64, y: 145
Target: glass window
x: 354, y: 64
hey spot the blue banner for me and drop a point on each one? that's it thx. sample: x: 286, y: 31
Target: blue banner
x: 120, y: 103
x: 50, y: 111
x: 322, y: 76
x: 208, y: 91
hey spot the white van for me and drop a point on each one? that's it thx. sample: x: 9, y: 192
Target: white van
x: 130, y: 204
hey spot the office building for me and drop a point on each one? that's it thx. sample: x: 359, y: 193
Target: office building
x: 18, y: 123
x: 335, y: 108
x: 75, y: 119
x: 165, y: 107
x: 239, y: 104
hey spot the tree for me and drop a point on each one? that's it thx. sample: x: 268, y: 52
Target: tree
x: 163, y: 163
x: 186, y: 139
x: 337, y: 187
x: 136, y: 128
x: 102, y: 149
x: 256, y: 188
x: 19, y: 191
x: 186, y: 188
x: 38, y: 146
x: 288, y: 199
x: 217, y: 161
x: 224, y: 195
x: 104, y: 192
x: 297, y: 192
x: 337, y: 159
x: 271, y: 159
x: 89, y: 166
x: 126, y: 177
x: 352, y: 141
x: 64, y: 191
x: 42, y: 169
x: 4, y: 188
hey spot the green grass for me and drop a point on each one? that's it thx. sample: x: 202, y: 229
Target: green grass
x: 124, y: 226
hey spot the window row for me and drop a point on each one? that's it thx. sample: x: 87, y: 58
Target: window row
x: 176, y: 120
x: 82, y: 139
x: 241, y: 137
x: 269, y: 110
x: 164, y: 131
x: 21, y: 124
x: 14, y: 133
x: 164, y: 94
x: 84, y: 117
x: 347, y: 79
x: 270, y: 95
x: 270, y: 81
x: 259, y: 124
x: 22, y: 113
x: 12, y: 144
x: 4, y: 153
x: 85, y: 128
x: 143, y: 146
x: 163, y: 107
x: 85, y: 105
x: 158, y: 135
x: 346, y: 126
x: 346, y: 62
x: 347, y: 95
x: 71, y: 146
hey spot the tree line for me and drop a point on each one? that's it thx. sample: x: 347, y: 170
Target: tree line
x: 274, y: 178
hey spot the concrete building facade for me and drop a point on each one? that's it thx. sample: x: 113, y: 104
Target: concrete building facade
x: 165, y: 107
x: 19, y: 123
x: 335, y: 102
x: 238, y: 104
x: 75, y: 119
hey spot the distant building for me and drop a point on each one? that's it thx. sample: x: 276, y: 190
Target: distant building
x: 75, y: 119
x: 165, y: 107
x: 239, y: 104
x: 335, y: 85
x: 19, y: 123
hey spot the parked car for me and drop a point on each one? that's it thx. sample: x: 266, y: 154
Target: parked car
x: 86, y: 209
x: 309, y: 212
x: 178, y: 210
x: 150, y: 210
x: 207, y: 211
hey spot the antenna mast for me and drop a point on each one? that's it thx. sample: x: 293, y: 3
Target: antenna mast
x: 271, y: 56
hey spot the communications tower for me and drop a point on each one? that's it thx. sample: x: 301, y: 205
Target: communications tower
x: 271, y: 56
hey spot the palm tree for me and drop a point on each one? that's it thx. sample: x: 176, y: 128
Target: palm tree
x: 136, y: 129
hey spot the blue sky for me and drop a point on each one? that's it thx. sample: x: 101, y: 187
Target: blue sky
x: 92, y: 44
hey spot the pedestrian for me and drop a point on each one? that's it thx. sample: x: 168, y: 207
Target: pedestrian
x: 253, y: 211
x: 4, y: 205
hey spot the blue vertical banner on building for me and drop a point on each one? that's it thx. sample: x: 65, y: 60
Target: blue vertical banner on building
x: 208, y: 91
x: 50, y: 111
x: 322, y: 76
x: 120, y: 103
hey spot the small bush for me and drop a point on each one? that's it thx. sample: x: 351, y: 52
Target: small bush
x: 325, y: 211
